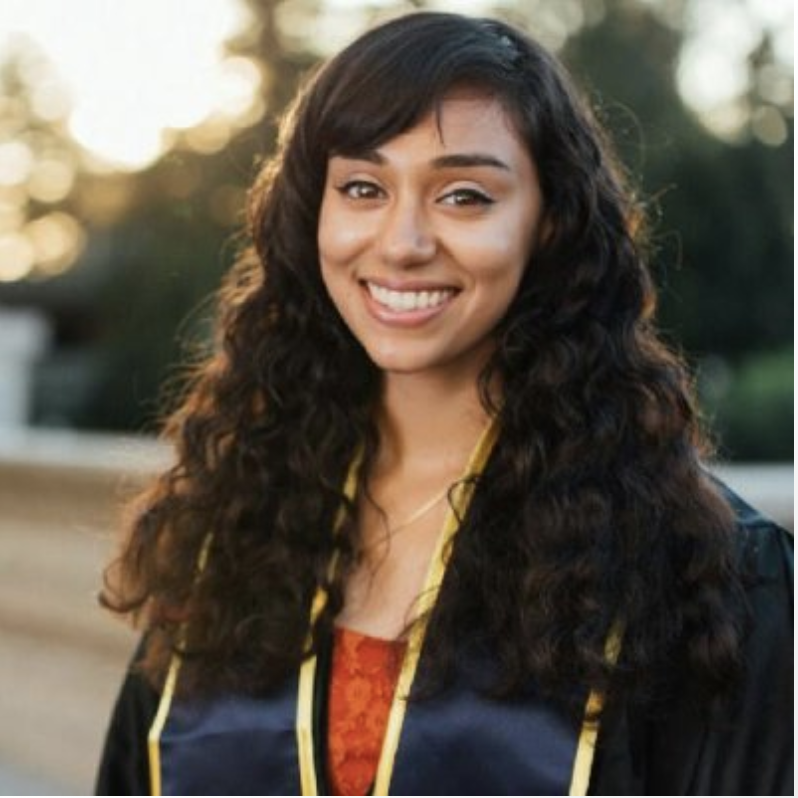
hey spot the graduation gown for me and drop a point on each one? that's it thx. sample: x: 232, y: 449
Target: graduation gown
x: 466, y: 744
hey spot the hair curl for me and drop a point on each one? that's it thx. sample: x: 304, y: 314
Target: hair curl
x: 594, y: 506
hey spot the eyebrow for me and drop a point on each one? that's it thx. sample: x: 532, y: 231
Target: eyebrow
x: 452, y: 161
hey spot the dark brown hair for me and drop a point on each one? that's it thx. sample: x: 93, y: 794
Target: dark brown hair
x: 594, y: 506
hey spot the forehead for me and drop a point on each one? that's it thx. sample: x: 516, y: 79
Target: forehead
x: 462, y: 112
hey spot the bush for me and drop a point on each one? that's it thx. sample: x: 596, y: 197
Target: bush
x: 750, y: 408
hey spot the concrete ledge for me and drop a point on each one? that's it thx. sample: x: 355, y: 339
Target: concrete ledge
x: 89, y: 454
x: 770, y: 487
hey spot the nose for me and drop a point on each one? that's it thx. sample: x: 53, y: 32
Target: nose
x: 406, y: 238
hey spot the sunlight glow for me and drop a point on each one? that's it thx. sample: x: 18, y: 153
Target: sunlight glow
x: 126, y: 72
x: 133, y: 69
x: 47, y: 246
x: 51, y: 179
x: 16, y: 162
x: 57, y: 241
x: 17, y: 256
x: 713, y: 71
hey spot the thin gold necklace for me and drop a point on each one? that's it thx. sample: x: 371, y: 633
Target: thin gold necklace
x: 416, y: 515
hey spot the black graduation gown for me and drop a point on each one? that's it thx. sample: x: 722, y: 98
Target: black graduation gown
x: 745, y: 748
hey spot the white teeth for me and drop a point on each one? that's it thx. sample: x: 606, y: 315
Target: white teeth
x: 404, y: 301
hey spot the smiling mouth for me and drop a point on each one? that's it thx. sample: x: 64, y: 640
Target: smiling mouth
x: 409, y: 301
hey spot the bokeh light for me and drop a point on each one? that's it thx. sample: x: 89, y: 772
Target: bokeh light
x: 58, y: 240
x: 16, y: 162
x: 130, y: 70
x: 714, y: 75
x: 51, y: 179
x: 17, y: 256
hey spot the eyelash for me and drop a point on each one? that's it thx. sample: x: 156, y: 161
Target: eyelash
x: 471, y: 196
x: 352, y: 190
x: 459, y: 197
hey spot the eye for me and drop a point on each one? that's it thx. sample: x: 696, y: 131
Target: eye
x: 359, y: 190
x: 466, y: 197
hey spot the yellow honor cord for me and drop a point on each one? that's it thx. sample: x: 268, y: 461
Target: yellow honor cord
x: 170, y: 685
x: 586, y: 745
x: 154, y: 736
x: 461, y: 498
x: 307, y: 673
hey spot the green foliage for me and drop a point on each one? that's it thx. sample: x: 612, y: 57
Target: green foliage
x: 721, y: 214
x: 721, y: 229
x: 752, y: 410
x: 154, y: 307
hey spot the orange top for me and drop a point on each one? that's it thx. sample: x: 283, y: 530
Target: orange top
x: 362, y: 683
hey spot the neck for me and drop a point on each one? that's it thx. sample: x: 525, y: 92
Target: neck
x: 428, y: 422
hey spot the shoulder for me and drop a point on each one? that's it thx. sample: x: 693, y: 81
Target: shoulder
x: 765, y: 548
x: 765, y: 558
x: 745, y: 746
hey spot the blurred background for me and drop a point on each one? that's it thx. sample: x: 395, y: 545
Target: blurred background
x: 129, y: 133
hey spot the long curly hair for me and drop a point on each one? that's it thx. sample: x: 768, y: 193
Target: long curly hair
x: 594, y: 508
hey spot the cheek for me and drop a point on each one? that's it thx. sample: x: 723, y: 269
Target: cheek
x: 496, y: 268
x: 339, y: 239
x: 341, y: 289
x: 496, y: 262
x: 504, y: 243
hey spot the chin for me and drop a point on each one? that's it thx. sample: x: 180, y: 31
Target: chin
x: 399, y: 365
x: 397, y: 362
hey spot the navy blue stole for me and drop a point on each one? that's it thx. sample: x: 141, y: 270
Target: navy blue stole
x: 459, y: 741
x: 234, y: 745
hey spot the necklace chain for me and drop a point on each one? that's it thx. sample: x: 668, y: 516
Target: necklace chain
x: 417, y: 514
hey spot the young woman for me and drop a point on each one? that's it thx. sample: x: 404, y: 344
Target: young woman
x: 438, y: 522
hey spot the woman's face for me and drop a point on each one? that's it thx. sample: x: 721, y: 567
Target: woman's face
x: 424, y: 240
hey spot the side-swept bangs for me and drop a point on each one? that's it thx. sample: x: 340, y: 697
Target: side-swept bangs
x: 394, y: 75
